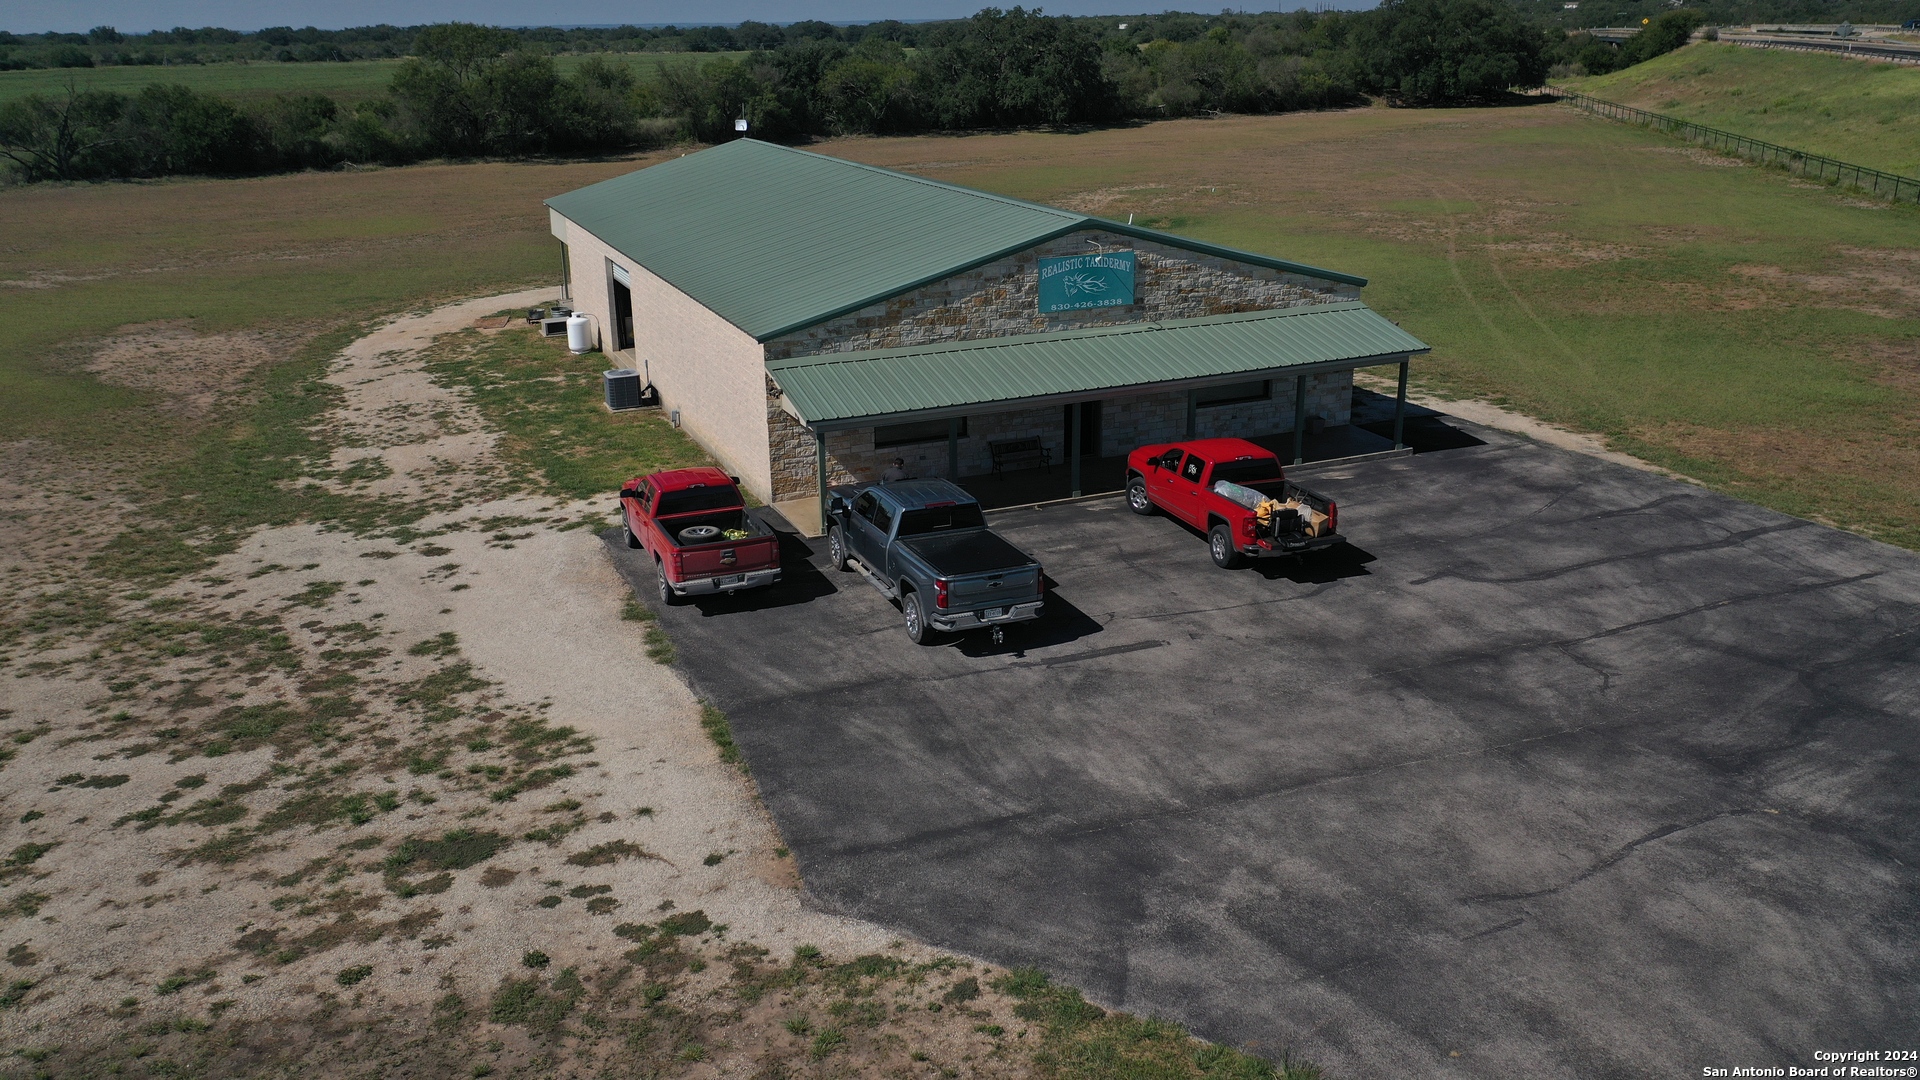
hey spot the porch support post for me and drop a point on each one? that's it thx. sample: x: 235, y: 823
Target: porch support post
x: 1193, y: 408
x: 1400, y: 409
x: 820, y: 463
x: 1299, y: 419
x: 953, y: 450
x: 1073, y: 441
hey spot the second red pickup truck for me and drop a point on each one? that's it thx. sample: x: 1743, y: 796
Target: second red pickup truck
x: 1236, y: 493
x: 703, y: 541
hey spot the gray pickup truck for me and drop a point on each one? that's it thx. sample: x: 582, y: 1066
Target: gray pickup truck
x: 926, y: 544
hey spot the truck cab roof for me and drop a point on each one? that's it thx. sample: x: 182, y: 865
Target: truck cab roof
x: 913, y: 494
x: 681, y: 479
x: 1222, y: 449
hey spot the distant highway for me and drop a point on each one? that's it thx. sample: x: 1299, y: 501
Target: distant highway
x: 1801, y: 39
x: 1899, y: 52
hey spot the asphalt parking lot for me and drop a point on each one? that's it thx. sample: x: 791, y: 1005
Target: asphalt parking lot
x: 1562, y: 769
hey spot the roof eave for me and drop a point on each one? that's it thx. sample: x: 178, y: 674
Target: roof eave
x: 1069, y: 397
x: 947, y: 272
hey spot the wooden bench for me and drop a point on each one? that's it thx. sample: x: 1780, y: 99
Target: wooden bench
x: 1019, y: 454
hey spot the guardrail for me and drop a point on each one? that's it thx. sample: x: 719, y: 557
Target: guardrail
x: 1894, y: 51
x: 1884, y: 184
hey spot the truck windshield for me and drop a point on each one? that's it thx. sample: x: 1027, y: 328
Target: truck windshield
x: 941, y: 519
x: 694, y: 500
x: 1248, y: 473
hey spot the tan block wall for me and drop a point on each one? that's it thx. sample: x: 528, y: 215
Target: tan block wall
x: 704, y: 366
x: 1002, y: 298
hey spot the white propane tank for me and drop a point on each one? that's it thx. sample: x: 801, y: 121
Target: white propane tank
x: 579, y: 333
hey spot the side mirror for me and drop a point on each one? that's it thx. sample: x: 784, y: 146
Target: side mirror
x: 629, y: 493
x: 735, y: 479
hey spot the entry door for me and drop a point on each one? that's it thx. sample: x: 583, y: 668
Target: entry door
x: 623, y: 315
x: 1089, y: 429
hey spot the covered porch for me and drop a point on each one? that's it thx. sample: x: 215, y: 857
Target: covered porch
x: 1281, y: 378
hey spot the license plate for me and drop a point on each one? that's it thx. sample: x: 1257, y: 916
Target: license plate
x: 733, y: 579
x: 996, y: 613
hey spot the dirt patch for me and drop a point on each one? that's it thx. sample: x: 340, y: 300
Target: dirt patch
x: 1870, y: 282
x: 1698, y: 155
x: 313, y: 732
x: 195, y: 372
x: 400, y: 434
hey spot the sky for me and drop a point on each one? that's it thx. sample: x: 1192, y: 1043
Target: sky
x: 133, y: 16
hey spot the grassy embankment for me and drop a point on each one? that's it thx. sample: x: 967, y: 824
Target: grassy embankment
x: 347, y: 82
x: 1852, y: 110
x: 1737, y: 325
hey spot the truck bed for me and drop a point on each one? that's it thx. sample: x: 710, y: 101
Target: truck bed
x: 719, y: 519
x: 976, y: 551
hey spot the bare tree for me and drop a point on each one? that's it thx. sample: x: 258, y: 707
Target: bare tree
x: 57, y: 139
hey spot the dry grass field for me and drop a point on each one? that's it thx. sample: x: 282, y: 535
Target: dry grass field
x: 311, y: 760
x: 331, y: 744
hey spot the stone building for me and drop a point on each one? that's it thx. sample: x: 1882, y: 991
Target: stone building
x: 810, y: 319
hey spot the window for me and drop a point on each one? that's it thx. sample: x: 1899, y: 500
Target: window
x: 1249, y: 472
x: 1234, y: 393
x: 864, y: 505
x: 694, y: 500
x: 920, y: 432
x: 942, y: 518
x: 882, y: 516
x: 1193, y: 468
x: 1168, y: 460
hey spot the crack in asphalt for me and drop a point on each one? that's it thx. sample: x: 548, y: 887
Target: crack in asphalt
x: 1455, y: 659
x: 1731, y: 540
x: 1612, y: 858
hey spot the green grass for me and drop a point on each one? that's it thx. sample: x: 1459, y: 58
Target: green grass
x: 1856, y: 111
x: 1732, y: 323
x: 1080, y: 1041
x: 348, y: 82
x: 549, y: 406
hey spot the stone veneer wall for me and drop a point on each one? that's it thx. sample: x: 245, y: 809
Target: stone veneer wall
x: 1001, y: 299
x: 1125, y: 422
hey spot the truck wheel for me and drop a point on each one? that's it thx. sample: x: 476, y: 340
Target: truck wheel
x: 632, y: 540
x: 667, y: 595
x: 917, y: 630
x: 836, y: 549
x: 1220, y: 544
x: 1137, y: 500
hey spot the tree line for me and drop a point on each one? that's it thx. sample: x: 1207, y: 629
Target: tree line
x: 469, y: 91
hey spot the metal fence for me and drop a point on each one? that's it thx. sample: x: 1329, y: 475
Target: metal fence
x: 1826, y: 169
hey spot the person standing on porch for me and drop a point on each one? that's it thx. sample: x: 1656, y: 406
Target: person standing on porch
x: 895, y: 471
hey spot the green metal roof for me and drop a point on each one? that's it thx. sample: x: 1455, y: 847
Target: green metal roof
x: 775, y: 239
x: 830, y: 389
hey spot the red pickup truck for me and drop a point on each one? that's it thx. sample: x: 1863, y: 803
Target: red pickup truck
x: 1237, y: 494
x: 696, y: 525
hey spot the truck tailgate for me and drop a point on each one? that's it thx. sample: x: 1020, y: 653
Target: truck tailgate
x: 723, y: 557
x: 996, y: 588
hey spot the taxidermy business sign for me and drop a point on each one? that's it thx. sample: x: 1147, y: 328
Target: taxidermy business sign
x: 1077, y: 282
